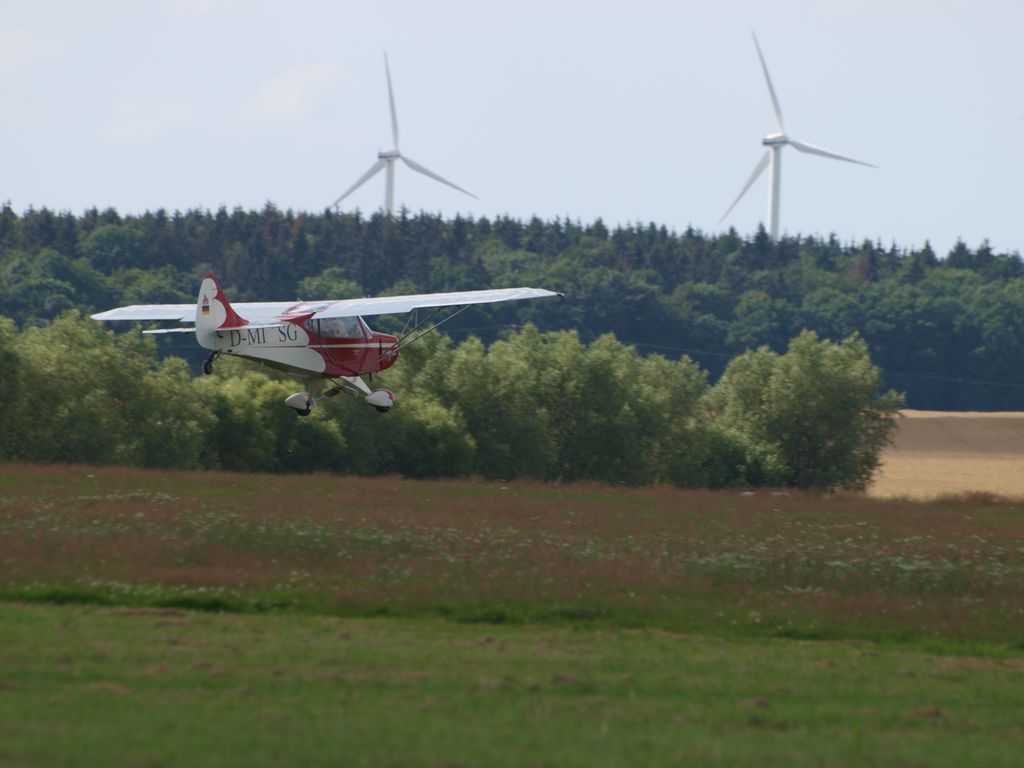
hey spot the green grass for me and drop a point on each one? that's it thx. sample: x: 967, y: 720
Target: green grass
x: 174, y: 618
x: 123, y: 686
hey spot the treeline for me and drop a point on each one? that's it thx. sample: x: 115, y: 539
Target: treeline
x: 949, y: 332
x: 539, y: 405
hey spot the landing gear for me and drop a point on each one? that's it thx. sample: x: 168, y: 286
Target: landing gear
x: 381, y: 399
x: 302, y: 402
x: 208, y: 363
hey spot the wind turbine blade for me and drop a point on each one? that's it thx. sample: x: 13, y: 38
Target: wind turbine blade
x: 362, y: 180
x: 391, y: 100
x: 758, y: 170
x: 811, y: 149
x: 420, y: 169
x: 771, y: 89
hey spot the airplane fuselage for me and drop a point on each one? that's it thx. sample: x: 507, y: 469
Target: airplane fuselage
x: 301, y: 345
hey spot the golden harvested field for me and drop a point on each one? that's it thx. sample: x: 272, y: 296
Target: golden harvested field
x: 938, y: 452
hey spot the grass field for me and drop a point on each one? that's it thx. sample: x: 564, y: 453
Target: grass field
x: 174, y: 618
x: 937, y: 452
x: 145, y: 687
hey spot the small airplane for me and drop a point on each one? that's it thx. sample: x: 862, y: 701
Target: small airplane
x: 326, y: 342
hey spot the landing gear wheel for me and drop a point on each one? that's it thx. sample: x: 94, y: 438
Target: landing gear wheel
x: 208, y: 363
x: 383, y: 409
x: 302, y: 402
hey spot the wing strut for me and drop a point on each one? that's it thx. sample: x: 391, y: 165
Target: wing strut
x: 405, y: 341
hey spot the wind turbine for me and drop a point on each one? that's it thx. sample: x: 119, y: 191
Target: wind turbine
x: 773, y: 156
x: 387, y: 160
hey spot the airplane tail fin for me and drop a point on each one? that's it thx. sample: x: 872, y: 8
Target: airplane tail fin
x: 213, y: 310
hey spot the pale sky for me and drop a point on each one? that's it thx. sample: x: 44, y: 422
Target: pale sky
x: 633, y: 111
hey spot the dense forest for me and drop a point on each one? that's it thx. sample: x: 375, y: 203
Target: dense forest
x: 949, y: 332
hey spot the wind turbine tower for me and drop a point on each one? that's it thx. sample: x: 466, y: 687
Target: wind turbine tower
x: 772, y: 157
x: 386, y: 160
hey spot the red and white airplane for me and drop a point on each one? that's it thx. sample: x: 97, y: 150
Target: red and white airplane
x: 326, y: 342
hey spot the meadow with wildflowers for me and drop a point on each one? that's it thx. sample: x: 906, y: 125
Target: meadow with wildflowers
x: 172, y: 618
x: 767, y: 562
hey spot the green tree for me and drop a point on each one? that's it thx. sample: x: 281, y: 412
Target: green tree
x: 115, y: 246
x: 812, y: 417
x: 165, y: 285
x: 429, y: 439
x: 760, y: 319
x: 496, y: 393
x: 88, y: 391
x: 332, y: 283
x: 252, y: 430
x: 13, y: 419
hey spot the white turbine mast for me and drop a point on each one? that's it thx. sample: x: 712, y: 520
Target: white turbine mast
x: 773, y: 156
x: 387, y: 160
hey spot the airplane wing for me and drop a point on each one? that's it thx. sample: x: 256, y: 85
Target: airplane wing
x: 393, y: 305
x: 272, y: 312
x: 143, y: 312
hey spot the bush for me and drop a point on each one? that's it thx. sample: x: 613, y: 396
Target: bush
x: 812, y: 417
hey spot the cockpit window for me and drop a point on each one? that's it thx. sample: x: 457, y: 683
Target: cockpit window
x: 336, y: 327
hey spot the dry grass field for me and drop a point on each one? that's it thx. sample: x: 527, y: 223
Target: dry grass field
x: 937, y: 453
